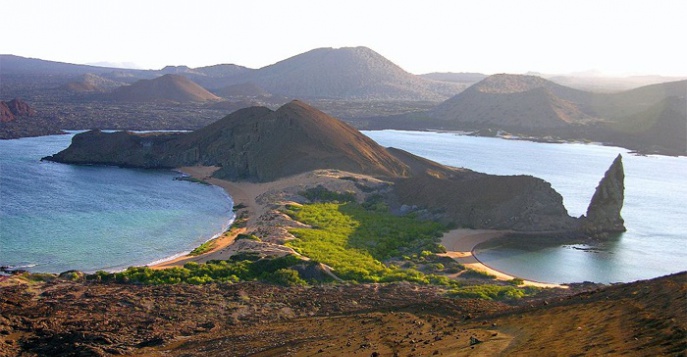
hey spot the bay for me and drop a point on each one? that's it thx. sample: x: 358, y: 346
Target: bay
x: 655, y: 212
x: 56, y: 217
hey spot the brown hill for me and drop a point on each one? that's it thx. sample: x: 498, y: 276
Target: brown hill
x: 92, y: 83
x: 167, y: 88
x: 293, y: 139
x: 255, y: 144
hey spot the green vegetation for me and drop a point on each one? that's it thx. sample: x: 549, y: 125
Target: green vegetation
x: 249, y: 237
x: 203, y: 248
x: 474, y: 274
x: 354, y: 241
x: 322, y: 194
x: 278, y: 271
x: 492, y: 292
x: 516, y: 282
x: 192, y: 179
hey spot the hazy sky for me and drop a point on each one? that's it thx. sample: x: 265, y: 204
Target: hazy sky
x: 489, y: 36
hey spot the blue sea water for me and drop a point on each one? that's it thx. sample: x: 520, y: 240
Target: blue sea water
x: 655, y: 209
x: 56, y: 217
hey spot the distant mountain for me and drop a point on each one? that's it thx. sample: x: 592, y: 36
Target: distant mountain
x: 243, y: 90
x: 661, y: 128
x: 355, y: 73
x: 515, y: 102
x: 12, y: 65
x: 92, y: 83
x: 607, y: 84
x: 649, y: 119
x: 462, y: 78
x: 168, y: 88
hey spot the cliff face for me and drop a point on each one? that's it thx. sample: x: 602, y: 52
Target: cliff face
x: 603, y: 213
x: 9, y: 111
x: 476, y: 200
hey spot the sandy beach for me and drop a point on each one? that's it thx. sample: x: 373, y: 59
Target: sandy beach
x: 460, y: 244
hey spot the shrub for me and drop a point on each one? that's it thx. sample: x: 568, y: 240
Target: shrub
x: 492, y: 292
x: 516, y: 281
x: 354, y: 241
x: 475, y: 274
x: 322, y: 194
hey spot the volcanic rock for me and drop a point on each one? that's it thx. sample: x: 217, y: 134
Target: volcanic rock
x: 603, y: 213
x: 15, y: 108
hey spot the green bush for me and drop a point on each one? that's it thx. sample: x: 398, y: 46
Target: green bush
x: 322, y: 194
x: 492, y: 292
x: 516, y: 281
x: 474, y: 274
x: 212, y: 271
x: 354, y: 241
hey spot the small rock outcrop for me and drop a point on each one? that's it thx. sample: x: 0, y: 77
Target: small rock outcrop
x: 603, y: 213
x: 13, y: 109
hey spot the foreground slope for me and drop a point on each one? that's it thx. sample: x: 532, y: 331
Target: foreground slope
x: 644, y: 318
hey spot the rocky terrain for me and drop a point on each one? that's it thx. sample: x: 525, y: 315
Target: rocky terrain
x: 258, y: 144
x: 61, y: 318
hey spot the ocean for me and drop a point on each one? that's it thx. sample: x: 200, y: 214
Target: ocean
x: 655, y: 209
x: 56, y: 217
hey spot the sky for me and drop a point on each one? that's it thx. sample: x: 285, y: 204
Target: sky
x: 615, y: 37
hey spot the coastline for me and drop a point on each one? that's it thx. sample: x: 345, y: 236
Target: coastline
x: 461, y: 243
x: 221, y: 245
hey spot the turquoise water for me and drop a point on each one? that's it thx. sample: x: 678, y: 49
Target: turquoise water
x: 56, y: 217
x: 655, y: 209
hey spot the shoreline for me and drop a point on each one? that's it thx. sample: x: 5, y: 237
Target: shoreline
x: 460, y: 246
x: 221, y: 244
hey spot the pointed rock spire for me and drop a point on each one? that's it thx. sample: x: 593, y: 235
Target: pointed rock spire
x: 603, y: 213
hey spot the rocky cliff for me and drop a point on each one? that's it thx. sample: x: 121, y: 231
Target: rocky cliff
x: 475, y: 200
x: 16, y: 107
x: 603, y: 213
